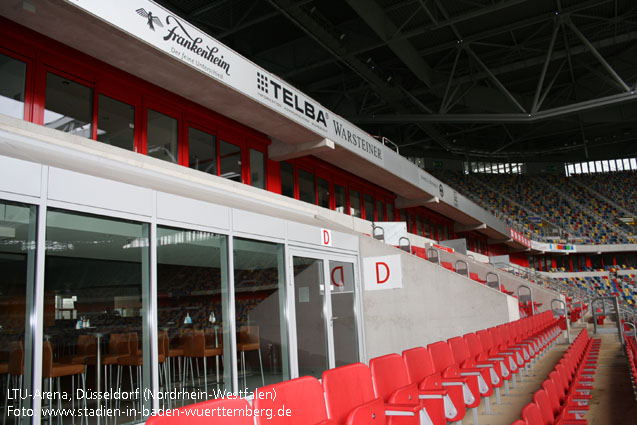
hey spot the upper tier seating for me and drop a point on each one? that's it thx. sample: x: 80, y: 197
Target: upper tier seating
x: 583, y: 216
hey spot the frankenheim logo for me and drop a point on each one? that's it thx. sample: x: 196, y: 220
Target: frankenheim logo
x: 291, y: 99
x: 177, y: 34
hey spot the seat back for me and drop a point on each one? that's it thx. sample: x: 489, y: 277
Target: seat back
x: 16, y: 359
x: 485, y: 339
x: 303, y: 396
x: 459, y: 349
x: 541, y: 398
x: 474, y: 345
x: 441, y: 355
x: 388, y: 375
x: 496, y: 337
x: 346, y: 388
x: 418, y: 364
x: 551, y: 392
x: 47, y: 359
x: 531, y: 414
x: 248, y: 335
x: 199, y: 413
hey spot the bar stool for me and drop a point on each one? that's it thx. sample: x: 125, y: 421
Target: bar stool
x: 195, y: 348
x: 134, y: 358
x: 248, y: 340
x: 15, y: 374
x: 51, y: 371
x: 172, y: 355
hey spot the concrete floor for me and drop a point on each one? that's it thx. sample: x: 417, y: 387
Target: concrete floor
x: 613, y: 401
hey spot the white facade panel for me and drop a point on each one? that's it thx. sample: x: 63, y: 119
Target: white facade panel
x: 299, y: 232
x: 82, y: 189
x: 178, y: 208
x: 258, y: 224
x: 21, y: 177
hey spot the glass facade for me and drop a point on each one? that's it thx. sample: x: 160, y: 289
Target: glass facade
x: 115, y: 123
x: 192, y: 311
x: 18, y: 231
x: 162, y: 136
x: 13, y: 74
x: 96, y: 296
x: 257, y: 169
x: 287, y: 179
x: 202, y: 151
x: 230, y: 161
x: 259, y: 290
x: 306, y: 187
x: 69, y: 106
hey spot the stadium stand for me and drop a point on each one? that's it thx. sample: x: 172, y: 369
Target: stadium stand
x: 574, y: 211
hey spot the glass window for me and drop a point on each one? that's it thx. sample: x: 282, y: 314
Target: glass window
x: 192, y: 308
x: 257, y: 169
x: 612, y: 166
x: 418, y: 225
x: 340, y: 199
x: 369, y: 208
x: 578, y: 168
x: 584, y: 167
x: 345, y: 332
x: 287, y: 179
x: 380, y: 210
x: 605, y: 166
x: 426, y: 228
x: 202, y: 151
x: 311, y: 336
x: 97, y: 286
x: 323, y: 188
x: 230, y: 161
x: 626, y: 164
x: 306, y: 187
x: 12, y: 86
x: 162, y: 136
x: 390, y: 211
x: 355, y: 203
x: 259, y: 286
x: 18, y: 229
x: 69, y: 106
x: 116, y: 123
x: 620, y: 165
x: 633, y: 163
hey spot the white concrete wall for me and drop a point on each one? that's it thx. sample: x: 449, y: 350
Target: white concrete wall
x: 434, y: 304
x: 541, y: 294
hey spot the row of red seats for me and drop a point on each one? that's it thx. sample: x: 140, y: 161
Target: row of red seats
x: 563, y: 398
x: 631, y: 353
x: 430, y: 385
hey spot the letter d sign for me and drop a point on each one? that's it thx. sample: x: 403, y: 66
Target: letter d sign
x: 326, y: 237
x: 382, y: 272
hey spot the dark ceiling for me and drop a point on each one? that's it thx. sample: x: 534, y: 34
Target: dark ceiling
x: 506, y: 80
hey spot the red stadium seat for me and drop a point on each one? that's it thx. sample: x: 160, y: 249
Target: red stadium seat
x: 350, y: 399
x: 392, y: 385
x: 303, y: 396
x: 421, y: 370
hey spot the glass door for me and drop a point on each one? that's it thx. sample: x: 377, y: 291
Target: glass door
x: 309, y: 303
x: 324, y: 312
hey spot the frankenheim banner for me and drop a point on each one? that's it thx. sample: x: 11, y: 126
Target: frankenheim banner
x: 163, y: 30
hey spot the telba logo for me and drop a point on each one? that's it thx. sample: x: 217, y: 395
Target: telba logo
x: 291, y: 99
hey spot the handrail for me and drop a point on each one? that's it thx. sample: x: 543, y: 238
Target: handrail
x: 568, y: 326
x: 496, y: 281
x: 465, y: 271
x: 433, y: 256
x: 632, y: 325
x: 381, y: 236
x: 615, y: 302
x: 530, y: 295
x: 401, y: 246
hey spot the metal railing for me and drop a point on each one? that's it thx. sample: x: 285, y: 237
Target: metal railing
x: 613, y: 309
